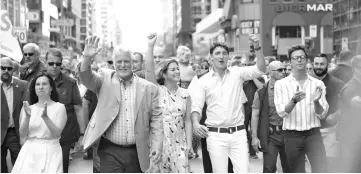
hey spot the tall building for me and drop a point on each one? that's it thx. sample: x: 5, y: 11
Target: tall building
x: 17, y: 10
x: 86, y: 21
x: 105, y: 21
x: 182, y: 23
x: 199, y: 10
x: 347, y: 25
x: 117, y: 37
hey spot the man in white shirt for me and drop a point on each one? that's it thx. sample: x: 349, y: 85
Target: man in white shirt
x: 222, y: 90
x: 300, y: 100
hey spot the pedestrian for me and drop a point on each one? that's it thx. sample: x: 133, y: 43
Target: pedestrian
x: 41, y: 122
x: 222, y: 90
x: 69, y: 95
x: 32, y: 64
x: 300, y: 100
x: 138, y: 63
x: 176, y: 106
x: 267, y: 124
x: 13, y: 93
x: 350, y: 96
x: 186, y: 71
x: 128, y: 120
x: 329, y: 125
x: 288, y: 69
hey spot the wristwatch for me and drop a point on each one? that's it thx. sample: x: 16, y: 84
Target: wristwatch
x: 258, y: 48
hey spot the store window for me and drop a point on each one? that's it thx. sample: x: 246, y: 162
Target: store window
x: 327, y: 31
x: 288, y: 31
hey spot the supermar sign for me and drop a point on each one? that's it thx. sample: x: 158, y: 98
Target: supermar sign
x: 304, y: 7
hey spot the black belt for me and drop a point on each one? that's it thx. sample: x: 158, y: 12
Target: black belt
x: 229, y: 130
x: 11, y: 128
x: 274, y: 128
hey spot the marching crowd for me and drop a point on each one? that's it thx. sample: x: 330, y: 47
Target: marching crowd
x: 148, y: 113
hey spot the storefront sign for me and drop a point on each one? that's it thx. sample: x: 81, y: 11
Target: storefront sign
x: 305, y: 8
x: 250, y: 27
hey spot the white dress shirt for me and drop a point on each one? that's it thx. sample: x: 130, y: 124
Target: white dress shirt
x: 224, y: 97
x: 303, y: 117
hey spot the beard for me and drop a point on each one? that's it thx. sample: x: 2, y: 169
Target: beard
x: 4, y: 78
x: 320, y: 72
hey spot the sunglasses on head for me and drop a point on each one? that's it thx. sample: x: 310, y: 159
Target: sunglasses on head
x: 6, y: 68
x: 54, y: 63
x: 110, y: 62
x: 280, y: 70
x: 29, y: 54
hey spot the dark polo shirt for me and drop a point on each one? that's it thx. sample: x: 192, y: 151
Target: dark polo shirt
x: 69, y: 95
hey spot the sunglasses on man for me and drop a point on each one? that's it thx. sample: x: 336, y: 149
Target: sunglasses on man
x: 54, y: 63
x: 28, y: 54
x: 6, y: 68
x: 110, y: 62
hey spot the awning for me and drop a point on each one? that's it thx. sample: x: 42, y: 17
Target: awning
x: 288, y: 19
x: 210, y: 24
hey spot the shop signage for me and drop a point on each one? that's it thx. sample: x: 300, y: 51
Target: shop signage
x: 305, y: 8
x: 250, y: 27
x: 62, y: 22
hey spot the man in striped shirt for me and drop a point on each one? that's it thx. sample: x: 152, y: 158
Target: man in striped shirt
x: 300, y: 101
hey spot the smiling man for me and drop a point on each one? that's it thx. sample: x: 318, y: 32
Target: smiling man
x: 300, y: 100
x: 222, y: 90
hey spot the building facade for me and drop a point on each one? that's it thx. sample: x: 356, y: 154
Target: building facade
x: 17, y: 10
x: 199, y: 10
x: 86, y: 21
x: 182, y: 23
x: 289, y: 22
x: 347, y: 25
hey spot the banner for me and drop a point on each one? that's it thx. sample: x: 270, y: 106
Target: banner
x: 9, y: 45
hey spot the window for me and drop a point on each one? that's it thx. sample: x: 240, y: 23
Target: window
x: 327, y: 31
x: 208, y: 9
x: 82, y: 37
x: 288, y: 31
x: 83, y: 22
x: 83, y: 14
x: 83, y: 6
x: 83, y: 29
x: 221, y: 3
x: 246, y: 1
x: 197, y: 10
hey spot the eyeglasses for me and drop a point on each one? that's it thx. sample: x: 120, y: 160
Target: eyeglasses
x: 303, y: 57
x: 28, y: 54
x: 54, y: 63
x: 205, y: 68
x: 280, y: 70
x: 110, y: 62
x: 6, y: 68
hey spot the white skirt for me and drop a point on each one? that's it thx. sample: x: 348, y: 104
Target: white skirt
x: 39, y: 156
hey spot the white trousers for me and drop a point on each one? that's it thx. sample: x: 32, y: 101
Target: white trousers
x: 223, y: 145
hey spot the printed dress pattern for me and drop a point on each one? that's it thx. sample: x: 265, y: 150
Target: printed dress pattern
x: 175, y: 150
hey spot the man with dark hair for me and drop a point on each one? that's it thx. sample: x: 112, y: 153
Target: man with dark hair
x: 222, y: 90
x: 138, y: 64
x: 350, y: 96
x: 343, y: 71
x: 32, y: 65
x: 300, y: 100
x: 13, y: 93
x: 329, y: 124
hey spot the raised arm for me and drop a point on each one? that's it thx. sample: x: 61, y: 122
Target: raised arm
x: 149, y: 60
x: 90, y: 79
x: 261, y: 64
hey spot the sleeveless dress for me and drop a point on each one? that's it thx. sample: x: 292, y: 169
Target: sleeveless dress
x: 175, y: 150
x: 40, y: 153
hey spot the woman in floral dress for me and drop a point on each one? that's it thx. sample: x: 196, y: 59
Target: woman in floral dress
x: 176, y: 106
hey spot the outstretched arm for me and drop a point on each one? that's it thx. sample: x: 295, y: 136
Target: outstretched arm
x: 149, y: 60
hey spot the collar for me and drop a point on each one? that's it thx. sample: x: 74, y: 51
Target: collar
x: 292, y: 78
x: 59, y: 79
x: 122, y: 81
x: 213, y: 73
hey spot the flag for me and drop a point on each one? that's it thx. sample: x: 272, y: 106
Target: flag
x: 9, y: 45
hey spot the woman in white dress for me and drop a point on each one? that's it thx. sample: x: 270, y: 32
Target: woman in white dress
x: 41, y: 124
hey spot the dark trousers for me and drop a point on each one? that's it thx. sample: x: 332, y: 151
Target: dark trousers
x: 247, y: 120
x: 301, y: 143
x: 11, y: 143
x: 207, y: 165
x: 66, y: 146
x: 275, y: 146
x: 116, y: 159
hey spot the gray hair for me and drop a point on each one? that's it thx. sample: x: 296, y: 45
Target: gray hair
x: 182, y: 49
x: 122, y: 51
x: 34, y: 46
